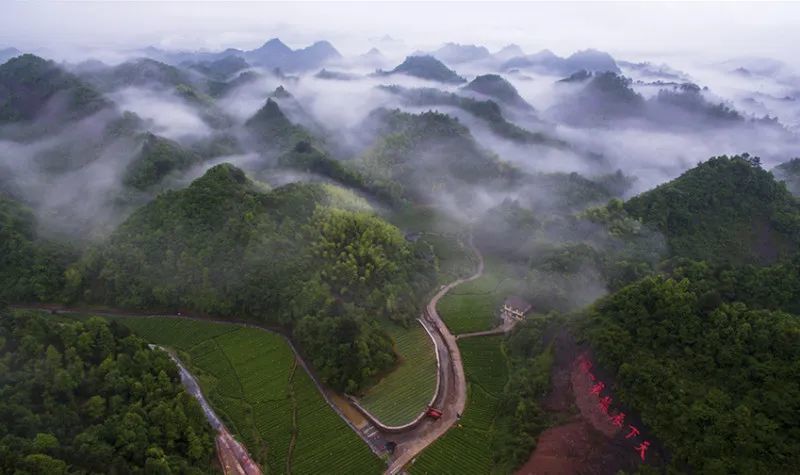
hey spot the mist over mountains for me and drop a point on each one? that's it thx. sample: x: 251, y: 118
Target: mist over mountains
x: 374, y: 195
x: 587, y: 112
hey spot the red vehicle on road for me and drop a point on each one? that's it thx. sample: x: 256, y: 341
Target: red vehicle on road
x: 433, y: 413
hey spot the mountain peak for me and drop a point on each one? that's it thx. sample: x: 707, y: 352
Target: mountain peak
x: 458, y: 53
x: 509, y: 51
x: 497, y: 87
x: 280, y: 92
x: 275, y: 44
x: 428, y: 67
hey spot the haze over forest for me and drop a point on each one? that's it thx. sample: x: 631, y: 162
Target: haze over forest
x: 406, y: 224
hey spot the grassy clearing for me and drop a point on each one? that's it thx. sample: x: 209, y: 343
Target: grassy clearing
x: 425, y: 219
x: 455, y: 259
x: 247, y: 375
x: 467, y: 447
x: 400, y: 396
x: 473, y: 306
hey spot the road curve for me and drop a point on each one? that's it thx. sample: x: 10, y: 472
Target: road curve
x: 451, y: 399
x: 454, y: 387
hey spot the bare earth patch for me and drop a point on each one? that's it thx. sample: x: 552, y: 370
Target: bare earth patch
x: 587, y: 442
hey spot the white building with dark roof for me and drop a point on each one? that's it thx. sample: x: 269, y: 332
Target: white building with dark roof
x: 515, y: 307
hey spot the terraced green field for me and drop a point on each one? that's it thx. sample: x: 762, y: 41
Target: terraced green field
x: 255, y: 385
x: 405, y: 392
x: 466, y: 448
x: 473, y: 306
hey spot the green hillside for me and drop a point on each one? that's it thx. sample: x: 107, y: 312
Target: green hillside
x: 31, y: 268
x: 308, y: 257
x: 157, y: 159
x: 715, y: 380
x: 727, y: 209
x: 419, y: 154
x: 29, y: 84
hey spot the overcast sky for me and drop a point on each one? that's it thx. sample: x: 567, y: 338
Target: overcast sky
x: 629, y: 30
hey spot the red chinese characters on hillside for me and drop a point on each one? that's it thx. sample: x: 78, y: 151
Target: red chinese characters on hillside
x: 618, y: 419
x: 604, y: 405
x: 642, y: 448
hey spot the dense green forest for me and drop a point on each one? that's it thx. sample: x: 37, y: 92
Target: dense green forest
x: 28, y: 83
x: 270, y: 126
x: 488, y: 111
x: 520, y: 418
x: 89, y: 397
x: 419, y: 155
x: 727, y: 209
x: 306, y: 257
x: 31, y: 268
x: 714, y: 377
x: 157, y: 159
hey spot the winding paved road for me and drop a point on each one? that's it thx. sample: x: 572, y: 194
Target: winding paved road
x: 451, y: 399
x: 453, y: 395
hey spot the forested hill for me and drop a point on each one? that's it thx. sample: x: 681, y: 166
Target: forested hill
x: 309, y: 257
x: 727, y: 209
x: 427, y: 67
x: 419, y: 155
x: 30, y: 84
x: 713, y: 372
x: 88, y: 397
x: 270, y: 127
x: 31, y: 268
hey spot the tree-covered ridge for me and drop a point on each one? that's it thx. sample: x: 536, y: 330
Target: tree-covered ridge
x: 716, y: 381
x: 31, y: 269
x: 498, y: 88
x: 420, y: 154
x: 789, y: 173
x: 775, y: 287
x: 138, y: 72
x: 221, y: 69
x: 303, y: 253
x: 308, y: 158
x: 688, y: 99
x: 488, y: 111
x: 727, y: 209
x: 157, y: 158
x: 88, y: 397
x: 29, y: 85
x: 427, y: 67
x: 270, y: 127
x: 604, y: 98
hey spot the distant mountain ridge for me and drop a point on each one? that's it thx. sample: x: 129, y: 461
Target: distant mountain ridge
x: 548, y: 62
x: 272, y: 54
x: 8, y: 53
x: 457, y: 53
